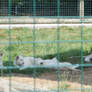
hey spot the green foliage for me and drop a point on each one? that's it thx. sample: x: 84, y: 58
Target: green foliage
x: 46, y: 47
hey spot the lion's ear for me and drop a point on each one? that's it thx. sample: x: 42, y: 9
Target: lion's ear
x: 41, y: 63
x: 17, y: 57
x: 1, y: 54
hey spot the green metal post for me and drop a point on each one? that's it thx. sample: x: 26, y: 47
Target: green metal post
x: 34, y: 39
x: 10, y: 59
x: 58, y: 44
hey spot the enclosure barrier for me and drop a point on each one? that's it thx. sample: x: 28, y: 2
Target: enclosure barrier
x: 45, y: 9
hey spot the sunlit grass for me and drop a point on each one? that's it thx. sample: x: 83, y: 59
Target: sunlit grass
x: 45, y: 50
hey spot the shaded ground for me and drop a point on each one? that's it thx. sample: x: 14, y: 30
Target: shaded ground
x: 48, y: 81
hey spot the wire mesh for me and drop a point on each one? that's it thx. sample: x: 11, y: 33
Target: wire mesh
x: 60, y: 42
x: 42, y: 8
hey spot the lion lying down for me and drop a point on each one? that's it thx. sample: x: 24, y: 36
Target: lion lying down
x: 25, y: 62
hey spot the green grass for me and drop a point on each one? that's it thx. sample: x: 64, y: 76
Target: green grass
x: 46, y: 50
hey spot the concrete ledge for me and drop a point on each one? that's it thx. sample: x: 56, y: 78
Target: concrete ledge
x: 38, y: 26
x: 30, y: 20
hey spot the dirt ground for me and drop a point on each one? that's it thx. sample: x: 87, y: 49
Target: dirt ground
x: 49, y: 81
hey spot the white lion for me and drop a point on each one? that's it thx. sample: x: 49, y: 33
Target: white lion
x: 25, y: 62
x: 1, y: 61
x: 54, y: 63
x: 88, y: 58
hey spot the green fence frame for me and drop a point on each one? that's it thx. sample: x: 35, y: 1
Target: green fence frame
x: 10, y: 67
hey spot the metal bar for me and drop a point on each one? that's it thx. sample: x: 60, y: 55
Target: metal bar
x: 58, y: 44
x: 34, y: 44
x: 10, y: 50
